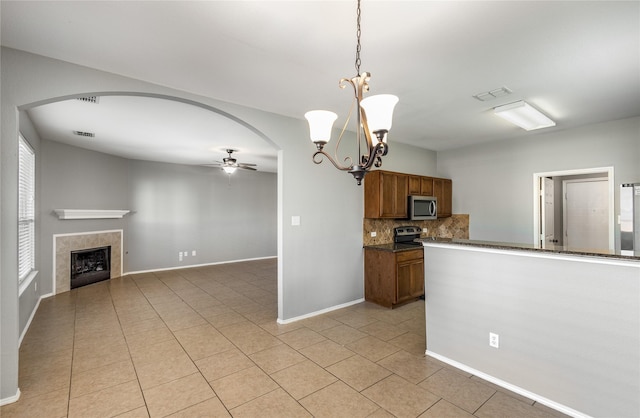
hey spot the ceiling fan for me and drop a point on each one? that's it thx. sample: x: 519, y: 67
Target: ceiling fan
x: 230, y: 164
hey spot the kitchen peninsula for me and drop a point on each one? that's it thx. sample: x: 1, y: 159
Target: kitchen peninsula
x: 565, y: 324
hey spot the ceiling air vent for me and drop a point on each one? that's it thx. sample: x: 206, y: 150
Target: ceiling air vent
x: 90, y: 99
x: 493, y: 94
x: 85, y: 134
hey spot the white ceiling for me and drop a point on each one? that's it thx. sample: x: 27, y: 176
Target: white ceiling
x: 578, y: 61
x: 155, y: 129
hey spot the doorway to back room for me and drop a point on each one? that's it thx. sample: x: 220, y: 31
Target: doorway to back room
x: 574, y: 208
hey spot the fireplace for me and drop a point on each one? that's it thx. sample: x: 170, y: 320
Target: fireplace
x: 65, y: 244
x: 90, y: 266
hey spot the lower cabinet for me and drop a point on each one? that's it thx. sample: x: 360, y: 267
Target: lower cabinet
x: 392, y: 278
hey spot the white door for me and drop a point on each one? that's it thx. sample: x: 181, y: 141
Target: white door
x: 586, y: 214
x: 547, y: 211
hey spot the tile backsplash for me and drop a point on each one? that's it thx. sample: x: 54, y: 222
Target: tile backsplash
x: 456, y: 226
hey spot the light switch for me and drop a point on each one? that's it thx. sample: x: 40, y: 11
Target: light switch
x: 295, y: 221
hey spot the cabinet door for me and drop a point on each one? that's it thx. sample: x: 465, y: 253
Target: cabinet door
x: 426, y: 186
x: 394, y: 193
x: 410, y: 279
x: 443, y: 190
x: 379, y: 275
x: 415, y: 187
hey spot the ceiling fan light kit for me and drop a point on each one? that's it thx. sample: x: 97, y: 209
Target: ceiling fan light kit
x: 229, y: 164
x: 373, y: 119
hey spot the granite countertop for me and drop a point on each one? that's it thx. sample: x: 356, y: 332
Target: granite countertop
x: 393, y: 247
x: 557, y: 249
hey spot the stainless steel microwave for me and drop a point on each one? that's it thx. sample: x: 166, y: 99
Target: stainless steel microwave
x: 423, y: 208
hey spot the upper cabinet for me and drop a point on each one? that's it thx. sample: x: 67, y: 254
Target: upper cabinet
x: 443, y: 190
x: 420, y: 186
x: 386, y: 193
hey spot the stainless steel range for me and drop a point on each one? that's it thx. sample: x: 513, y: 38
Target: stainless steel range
x: 405, y: 235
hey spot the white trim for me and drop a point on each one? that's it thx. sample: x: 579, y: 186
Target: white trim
x: 33, y: 314
x: 516, y: 389
x: 198, y: 265
x: 26, y: 282
x: 320, y: 312
x: 536, y: 194
x: 68, y: 234
x: 90, y: 213
x: 10, y: 399
x: 280, y: 233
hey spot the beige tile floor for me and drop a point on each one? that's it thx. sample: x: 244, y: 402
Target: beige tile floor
x: 204, y: 342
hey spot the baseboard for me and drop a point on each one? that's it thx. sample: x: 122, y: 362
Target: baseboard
x: 10, y: 399
x: 198, y: 265
x: 33, y: 314
x: 516, y: 389
x: 320, y: 312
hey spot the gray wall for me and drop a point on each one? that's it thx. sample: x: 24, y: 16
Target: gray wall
x: 320, y: 261
x: 175, y: 208
x: 493, y: 182
x: 75, y: 178
x: 179, y: 208
x: 569, y: 327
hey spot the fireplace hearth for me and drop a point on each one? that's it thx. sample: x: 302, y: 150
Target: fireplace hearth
x: 90, y: 266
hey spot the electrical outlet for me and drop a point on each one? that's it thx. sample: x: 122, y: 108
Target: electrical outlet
x: 193, y: 253
x: 425, y: 230
x: 494, y: 340
x: 186, y: 253
x: 373, y: 234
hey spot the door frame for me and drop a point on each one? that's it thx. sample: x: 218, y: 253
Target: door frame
x: 543, y: 201
x: 537, y: 191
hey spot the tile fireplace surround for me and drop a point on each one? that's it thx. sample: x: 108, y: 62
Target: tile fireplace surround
x: 63, y: 244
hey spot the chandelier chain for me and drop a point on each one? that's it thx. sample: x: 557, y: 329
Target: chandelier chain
x: 358, y: 47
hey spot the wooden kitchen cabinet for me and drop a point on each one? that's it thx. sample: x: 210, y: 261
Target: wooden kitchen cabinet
x: 392, y: 278
x: 420, y: 186
x: 385, y: 195
x: 443, y: 190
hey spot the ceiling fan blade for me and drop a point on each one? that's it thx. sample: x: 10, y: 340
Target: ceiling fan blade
x: 246, y: 164
x: 242, y: 166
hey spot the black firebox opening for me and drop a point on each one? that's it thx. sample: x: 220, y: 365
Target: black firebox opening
x: 90, y: 266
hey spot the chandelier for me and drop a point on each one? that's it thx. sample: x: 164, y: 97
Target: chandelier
x: 373, y: 120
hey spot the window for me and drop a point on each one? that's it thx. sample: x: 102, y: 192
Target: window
x: 26, y: 209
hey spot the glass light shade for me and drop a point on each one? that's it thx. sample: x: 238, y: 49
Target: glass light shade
x: 379, y: 111
x: 524, y: 115
x: 229, y: 169
x: 320, y: 124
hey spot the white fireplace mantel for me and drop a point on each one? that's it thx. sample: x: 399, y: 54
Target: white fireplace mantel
x: 90, y: 213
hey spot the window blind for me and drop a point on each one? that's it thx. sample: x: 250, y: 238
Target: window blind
x: 26, y: 209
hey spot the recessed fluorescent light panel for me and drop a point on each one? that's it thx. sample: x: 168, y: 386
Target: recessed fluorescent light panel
x: 524, y: 115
